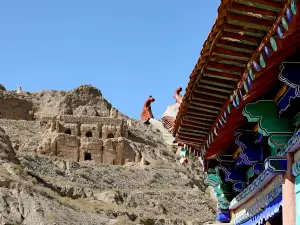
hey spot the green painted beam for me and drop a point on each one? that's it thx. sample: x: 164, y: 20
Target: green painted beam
x: 219, y: 89
x: 232, y: 47
x: 246, y: 59
x: 193, y: 131
x: 250, y: 25
x: 207, y: 105
x: 207, y: 74
x: 266, y: 17
x: 211, y: 94
x: 249, y: 33
x: 193, y: 134
x: 223, y: 71
x: 204, y: 109
x: 199, y: 119
x: 259, y: 5
x: 228, y: 62
x: 202, y: 114
x: 207, y: 100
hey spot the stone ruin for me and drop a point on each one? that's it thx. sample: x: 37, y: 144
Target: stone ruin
x: 88, y: 133
x: 81, y: 138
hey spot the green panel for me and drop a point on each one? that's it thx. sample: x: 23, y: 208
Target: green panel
x: 228, y: 62
x: 297, y: 186
x: 207, y: 74
x: 223, y: 71
x: 264, y: 113
x: 266, y: 17
x: 232, y: 57
x: 298, y: 209
x: 258, y: 5
x: 248, y: 33
x: 250, y: 25
x: 230, y: 47
x: 213, y: 180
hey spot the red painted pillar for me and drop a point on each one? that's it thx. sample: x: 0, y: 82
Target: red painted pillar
x: 288, y: 194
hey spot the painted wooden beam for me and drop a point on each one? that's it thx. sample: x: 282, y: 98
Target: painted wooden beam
x: 220, y: 59
x: 204, y: 109
x: 222, y: 76
x: 197, y: 127
x: 217, y: 89
x: 262, y: 4
x: 195, y: 124
x: 198, y: 113
x: 217, y: 82
x: 236, y: 46
x: 239, y: 38
x: 192, y: 134
x: 214, y: 94
x: 253, y: 11
x: 207, y: 98
x: 230, y: 54
x: 243, y: 30
x: 204, y: 104
x: 226, y: 68
x: 192, y: 130
x: 197, y: 118
x: 249, y: 21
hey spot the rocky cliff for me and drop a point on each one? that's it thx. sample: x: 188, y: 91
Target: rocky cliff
x: 151, y: 188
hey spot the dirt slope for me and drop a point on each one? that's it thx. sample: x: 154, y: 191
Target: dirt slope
x: 49, y: 190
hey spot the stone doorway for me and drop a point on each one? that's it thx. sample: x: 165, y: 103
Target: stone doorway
x: 87, y: 156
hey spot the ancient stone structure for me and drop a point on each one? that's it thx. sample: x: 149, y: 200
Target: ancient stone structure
x: 15, y: 108
x: 147, y: 112
x: 81, y: 138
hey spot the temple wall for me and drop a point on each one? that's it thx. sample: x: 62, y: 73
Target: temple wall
x: 16, y: 109
x: 67, y: 146
x: 92, y: 146
x: 258, y: 201
x: 91, y: 120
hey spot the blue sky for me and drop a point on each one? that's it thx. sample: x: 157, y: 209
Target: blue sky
x: 128, y: 49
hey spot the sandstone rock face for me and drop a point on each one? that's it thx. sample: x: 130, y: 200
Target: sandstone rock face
x: 2, y: 88
x: 78, y: 160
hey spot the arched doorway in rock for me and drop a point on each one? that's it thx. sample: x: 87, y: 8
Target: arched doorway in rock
x: 68, y: 131
x: 89, y: 134
x: 110, y: 135
x: 87, y: 156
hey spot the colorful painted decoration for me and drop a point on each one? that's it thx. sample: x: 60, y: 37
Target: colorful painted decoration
x: 228, y: 109
x: 249, y: 81
x: 256, y: 66
x: 241, y: 94
x: 246, y: 87
x: 251, y: 73
x: 234, y: 104
x: 294, y: 7
x: 223, y: 119
x: 237, y: 100
x: 267, y: 51
x: 220, y: 121
x: 284, y: 23
x: 212, y: 137
x: 289, y: 15
x: 215, y: 131
x: 273, y: 43
x: 262, y: 60
x: 279, y: 32
x: 225, y: 114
